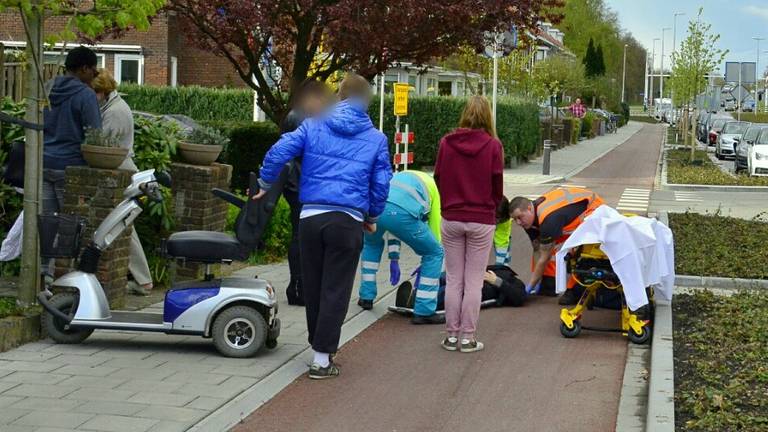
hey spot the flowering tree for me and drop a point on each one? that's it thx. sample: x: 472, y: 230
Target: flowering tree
x: 314, y: 39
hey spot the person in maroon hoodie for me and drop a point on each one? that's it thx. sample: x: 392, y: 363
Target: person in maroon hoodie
x: 469, y: 174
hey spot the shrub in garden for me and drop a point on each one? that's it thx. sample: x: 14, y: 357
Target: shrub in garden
x: 200, y: 103
x: 248, y: 143
x: 11, y: 202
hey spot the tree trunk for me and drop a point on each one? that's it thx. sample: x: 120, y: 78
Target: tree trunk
x: 693, y: 135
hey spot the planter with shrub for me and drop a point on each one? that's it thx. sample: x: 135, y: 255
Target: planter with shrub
x: 202, y: 146
x: 102, y: 149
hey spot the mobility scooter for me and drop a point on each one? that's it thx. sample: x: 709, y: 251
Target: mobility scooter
x: 239, y: 314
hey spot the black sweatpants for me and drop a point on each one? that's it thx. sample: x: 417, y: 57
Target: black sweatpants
x: 294, y: 291
x: 330, y: 250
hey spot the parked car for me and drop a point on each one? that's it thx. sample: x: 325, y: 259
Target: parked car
x: 730, y: 105
x: 745, y: 144
x: 726, y: 140
x: 715, y: 127
x: 758, y: 155
x: 701, y: 126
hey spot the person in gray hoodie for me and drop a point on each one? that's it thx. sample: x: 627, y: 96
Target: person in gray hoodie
x: 73, y: 109
x: 117, y: 119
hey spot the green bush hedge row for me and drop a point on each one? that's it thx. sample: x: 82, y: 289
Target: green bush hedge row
x: 200, y: 103
x: 755, y: 117
x: 430, y: 117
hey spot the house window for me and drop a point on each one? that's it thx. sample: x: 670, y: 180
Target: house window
x: 129, y: 68
x: 445, y: 88
x: 56, y: 57
x: 412, y: 83
x: 389, y: 80
x: 459, y: 88
x: 431, y: 87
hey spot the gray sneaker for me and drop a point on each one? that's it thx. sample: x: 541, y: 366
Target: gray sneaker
x: 450, y: 343
x: 318, y: 372
x: 471, y: 346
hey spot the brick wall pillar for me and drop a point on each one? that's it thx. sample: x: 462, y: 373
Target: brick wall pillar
x: 93, y: 193
x: 195, y: 207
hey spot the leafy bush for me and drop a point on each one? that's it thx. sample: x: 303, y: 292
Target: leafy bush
x: 721, y: 347
x: 206, y: 135
x: 681, y: 171
x: 248, y: 143
x: 8, y: 306
x: 11, y: 202
x: 586, y: 124
x: 200, y: 103
x: 644, y: 119
x: 714, y: 245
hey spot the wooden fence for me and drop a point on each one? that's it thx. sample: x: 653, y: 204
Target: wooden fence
x: 13, y: 77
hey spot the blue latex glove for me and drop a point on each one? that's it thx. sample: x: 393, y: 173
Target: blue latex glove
x: 531, y: 290
x: 394, y: 272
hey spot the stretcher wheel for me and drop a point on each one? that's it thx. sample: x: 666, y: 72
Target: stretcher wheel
x: 570, y: 333
x: 643, y: 337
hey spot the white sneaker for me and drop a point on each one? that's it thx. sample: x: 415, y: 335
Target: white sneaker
x: 468, y: 346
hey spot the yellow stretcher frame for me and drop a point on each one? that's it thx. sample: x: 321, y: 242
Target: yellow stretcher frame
x: 638, y: 330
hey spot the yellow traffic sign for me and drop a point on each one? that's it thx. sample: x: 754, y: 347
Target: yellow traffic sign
x: 401, y: 99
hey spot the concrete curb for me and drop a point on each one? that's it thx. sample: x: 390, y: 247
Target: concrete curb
x: 247, y: 402
x: 661, y: 385
x: 633, y: 402
x: 702, y: 188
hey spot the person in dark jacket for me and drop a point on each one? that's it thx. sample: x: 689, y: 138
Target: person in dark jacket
x: 469, y: 172
x: 343, y: 188
x: 311, y: 99
x: 73, y: 109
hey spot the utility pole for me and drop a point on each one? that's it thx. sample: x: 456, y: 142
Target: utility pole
x: 674, y: 44
x: 653, y: 68
x: 624, y: 73
x: 757, y: 68
x: 645, y: 84
x: 661, y: 78
x: 30, y: 258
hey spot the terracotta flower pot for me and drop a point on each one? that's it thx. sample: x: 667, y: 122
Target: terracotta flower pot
x: 199, y: 154
x: 103, y: 157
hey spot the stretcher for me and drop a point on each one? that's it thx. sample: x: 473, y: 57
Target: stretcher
x: 591, y: 269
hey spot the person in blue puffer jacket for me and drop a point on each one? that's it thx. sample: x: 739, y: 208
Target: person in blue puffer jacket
x: 343, y: 188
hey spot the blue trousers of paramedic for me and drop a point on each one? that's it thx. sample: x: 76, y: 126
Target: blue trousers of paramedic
x: 416, y: 234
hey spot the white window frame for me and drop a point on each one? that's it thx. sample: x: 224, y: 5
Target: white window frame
x: 101, y: 58
x: 118, y: 68
x: 174, y: 71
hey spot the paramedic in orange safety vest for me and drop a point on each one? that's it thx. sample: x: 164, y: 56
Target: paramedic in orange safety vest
x: 549, y: 221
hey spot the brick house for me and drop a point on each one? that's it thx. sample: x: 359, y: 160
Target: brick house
x: 159, y: 56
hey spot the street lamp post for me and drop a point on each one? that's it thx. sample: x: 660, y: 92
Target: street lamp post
x: 757, y: 66
x: 624, y: 73
x: 661, y: 78
x: 674, y: 43
x: 653, y: 68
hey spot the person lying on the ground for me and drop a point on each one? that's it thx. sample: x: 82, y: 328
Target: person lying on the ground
x: 501, y: 287
x: 549, y: 221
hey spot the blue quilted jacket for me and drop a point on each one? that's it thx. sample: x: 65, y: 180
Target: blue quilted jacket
x: 345, y: 161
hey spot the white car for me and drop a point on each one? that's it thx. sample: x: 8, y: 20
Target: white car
x: 758, y: 156
x: 726, y: 141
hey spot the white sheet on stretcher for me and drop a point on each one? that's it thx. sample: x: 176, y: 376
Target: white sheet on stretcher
x: 641, y: 252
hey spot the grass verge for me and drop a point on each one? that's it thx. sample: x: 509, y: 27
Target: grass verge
x: 721, y: 362
x: 703, y: 171
x: 714, y: 245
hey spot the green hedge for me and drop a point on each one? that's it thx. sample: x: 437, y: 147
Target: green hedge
x: 200, y: 103
x: 431, y: 118
x: 755, y: 117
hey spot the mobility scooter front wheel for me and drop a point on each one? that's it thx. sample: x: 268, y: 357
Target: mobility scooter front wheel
x: 57, y: 328
x: 239, y: 331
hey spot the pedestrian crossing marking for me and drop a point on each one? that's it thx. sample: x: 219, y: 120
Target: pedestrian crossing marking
x: 634, y: 199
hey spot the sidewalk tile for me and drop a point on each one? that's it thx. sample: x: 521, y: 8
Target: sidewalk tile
x: 93, y: 382
x: 73, y: 349
x: 157, y: 386
x: 170, y: 426
x: 82, y: 360
x: 121, y: 408
x: 34, y: 378
x: 173, y: 414
x: 93, y: 394
x: 199, y: 378
x: 8, y: 415
x: 40, y: 390
x: 9, y: 400
x: 112, y: 423
x: 206, y: 403
x: 53, y: 419
x: 35, y: 356
x: 144, y: 374
x: 28, y: 366
x: 132, y: 363
x: 166, y: 399
x: 43, y: 404
x: 7, y: 385
x: 93, y: 371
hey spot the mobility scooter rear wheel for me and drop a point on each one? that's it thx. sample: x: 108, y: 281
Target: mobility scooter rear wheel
x: 239, y: 331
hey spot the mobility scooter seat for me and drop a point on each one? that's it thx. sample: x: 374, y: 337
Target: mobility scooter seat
x: 204, y: 246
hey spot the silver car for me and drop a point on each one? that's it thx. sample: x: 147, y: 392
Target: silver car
x: 729, y: 136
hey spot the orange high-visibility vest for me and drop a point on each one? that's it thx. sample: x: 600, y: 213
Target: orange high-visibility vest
x: 555, y: 200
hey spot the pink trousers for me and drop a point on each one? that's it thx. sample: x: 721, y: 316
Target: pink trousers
x: 467, y: 245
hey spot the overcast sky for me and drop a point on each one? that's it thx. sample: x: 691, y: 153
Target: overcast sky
x: 737, y: 21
